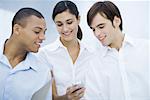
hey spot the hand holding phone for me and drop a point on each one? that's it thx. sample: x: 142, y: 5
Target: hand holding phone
x: 75, y: 92
x: 78, y: 87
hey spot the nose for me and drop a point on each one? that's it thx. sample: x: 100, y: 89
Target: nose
x: 100, y: 34
x: 65, y: 28
x: 97, y: 32
x: 42, y: 36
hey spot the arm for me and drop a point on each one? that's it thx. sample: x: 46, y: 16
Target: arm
x: 73, y: 93
x: 54, y: 92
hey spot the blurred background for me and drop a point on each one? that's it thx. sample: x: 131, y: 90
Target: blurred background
x: 135, y: 14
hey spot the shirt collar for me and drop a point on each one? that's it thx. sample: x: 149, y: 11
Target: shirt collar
x: 58, y: 44
x: 29, y: 62
x: 128, y: 41
x: 84, y: 46
x: 2, y: 44
x: 55, y: 45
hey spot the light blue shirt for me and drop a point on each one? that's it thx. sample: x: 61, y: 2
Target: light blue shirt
x: 21, y: 82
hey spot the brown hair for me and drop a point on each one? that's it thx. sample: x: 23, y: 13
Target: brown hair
x: 106, y: 9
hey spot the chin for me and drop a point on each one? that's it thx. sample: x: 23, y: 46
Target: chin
x: 68, y: 39
x: 34, y: 51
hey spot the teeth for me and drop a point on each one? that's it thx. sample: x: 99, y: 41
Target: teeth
x: 38, y: 43
x: 66, y: 33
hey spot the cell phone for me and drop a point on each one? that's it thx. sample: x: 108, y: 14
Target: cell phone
x: 81, y: 86
x: 77, y: 89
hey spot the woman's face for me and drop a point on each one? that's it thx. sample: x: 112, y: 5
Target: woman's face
x: 67, y: 25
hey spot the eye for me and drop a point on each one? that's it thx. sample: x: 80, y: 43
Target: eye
x: 101, y: 26
x: 69, y: 22
x: 59, y: 24
x: 36, y: 32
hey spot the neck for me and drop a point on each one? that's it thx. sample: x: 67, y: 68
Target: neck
x: 14, y: 52
x: 118, y: 40
x: 73, y: 48
x: 70, y: 44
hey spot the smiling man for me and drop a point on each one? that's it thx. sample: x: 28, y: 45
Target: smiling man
x: 21, y: 73
x: 128, y: 55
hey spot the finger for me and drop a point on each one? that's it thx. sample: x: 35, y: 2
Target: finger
x: 82, y: 90
x: 69, y: 90
x: 78, y: 94
x: 81, y: 95
x: 78, y: 97
x: 73, y: 89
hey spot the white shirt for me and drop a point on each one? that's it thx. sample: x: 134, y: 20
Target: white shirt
x: 21, y: 82
x: 65, y: 72
x: 103, y: 80
x: 133, y: 62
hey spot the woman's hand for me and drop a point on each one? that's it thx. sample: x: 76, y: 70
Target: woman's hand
x: 75, y: 92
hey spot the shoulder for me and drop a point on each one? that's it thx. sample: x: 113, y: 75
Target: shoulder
x: 49, y: 47
x: 86, y: 47
x: 141, y: 43
x: 136, y: 41
x: 38, y: 62
x: 52, y: 46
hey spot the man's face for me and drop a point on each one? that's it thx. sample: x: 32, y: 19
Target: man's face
x: 32, y: 35
x: 103, y: 29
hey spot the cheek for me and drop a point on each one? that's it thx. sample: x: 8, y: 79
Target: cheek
x: 59, y: 29
x: 75, y: 28
x: 107, y: 31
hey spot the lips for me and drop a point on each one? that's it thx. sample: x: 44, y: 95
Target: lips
x: 102, y: 37
x: 38, y: 43
x: 67, y: 33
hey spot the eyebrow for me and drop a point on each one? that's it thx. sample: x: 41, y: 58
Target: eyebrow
x: 66, y: 20
x: 100, y: 24
x: 58, y: 21
x: 40, y: 28
x: 69, y: 19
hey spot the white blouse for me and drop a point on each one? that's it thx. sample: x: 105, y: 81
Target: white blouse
x: 65, y: 72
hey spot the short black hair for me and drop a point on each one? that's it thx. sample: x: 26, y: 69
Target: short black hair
x: 24, y: 13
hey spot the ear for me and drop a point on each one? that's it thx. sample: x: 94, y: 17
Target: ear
x: 116, y: 21
x: 16, y: 29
